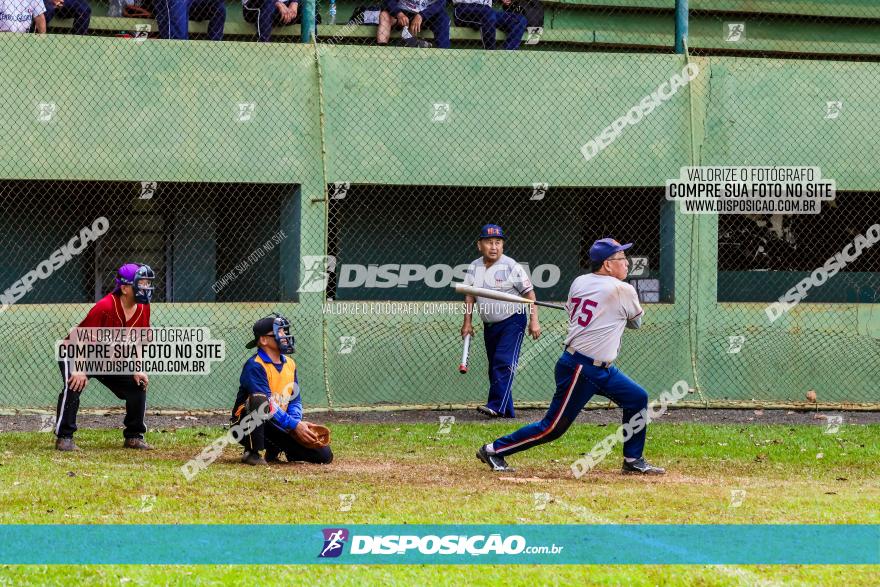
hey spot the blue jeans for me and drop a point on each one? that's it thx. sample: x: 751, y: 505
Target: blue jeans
x: 482, y: 18
x: 576, y: 382
x: 503, y: 342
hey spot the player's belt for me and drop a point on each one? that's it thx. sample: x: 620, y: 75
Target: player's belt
x: 596, y: 363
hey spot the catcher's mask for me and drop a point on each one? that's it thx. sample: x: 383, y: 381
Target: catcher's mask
x: 273, y: 324
x: 138, y: 276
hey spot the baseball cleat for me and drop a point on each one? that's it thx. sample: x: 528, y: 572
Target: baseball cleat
x: 136, y: 443
x: 253, y: 458
x: 496, y: 462
x: 66, y: 445
x: 486, y: 411
x: 641, y: 467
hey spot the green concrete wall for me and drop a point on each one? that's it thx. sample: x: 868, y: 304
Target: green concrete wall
x: 134, y: 111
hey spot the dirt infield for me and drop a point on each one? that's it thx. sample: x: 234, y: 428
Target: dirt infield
x: 32, y: 422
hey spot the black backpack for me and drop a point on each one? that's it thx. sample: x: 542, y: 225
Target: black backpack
x: 533, y: 10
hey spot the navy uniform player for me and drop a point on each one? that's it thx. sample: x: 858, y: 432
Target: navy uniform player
x: 599, y: 305
x: 504, y: 323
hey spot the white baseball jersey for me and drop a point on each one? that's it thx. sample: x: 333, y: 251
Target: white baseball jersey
x: 16, y: 16
x: 598, y: 309
x: 505, y: 275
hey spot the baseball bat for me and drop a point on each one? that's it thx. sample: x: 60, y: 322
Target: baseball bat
x: 463, y: 366
x: 501, y: 296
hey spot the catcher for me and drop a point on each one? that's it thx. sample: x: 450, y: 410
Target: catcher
x: 271, y: 377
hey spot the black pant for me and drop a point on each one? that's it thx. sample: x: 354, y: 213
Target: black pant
x: 275, y: 441
x: 123, y: 386
x: 78, y: 10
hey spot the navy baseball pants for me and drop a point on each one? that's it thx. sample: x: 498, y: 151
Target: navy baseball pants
x: 214, y: 11
x: 481, y: 17
x: 577, y: 379
x: 172, y: 18
x: 435, y: 18
x: 503, y: 341
x: 78, y: 10
x: 275, y: 441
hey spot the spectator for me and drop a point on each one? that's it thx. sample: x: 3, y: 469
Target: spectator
x: 214, y: 11
x: 270, y: 13
x: 478, y: 15
x: 78, y: 10
x: 385, y: 22
x: 22, y: 16
x: 411, y: 15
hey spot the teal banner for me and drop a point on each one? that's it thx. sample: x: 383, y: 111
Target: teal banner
x: 441, y: 544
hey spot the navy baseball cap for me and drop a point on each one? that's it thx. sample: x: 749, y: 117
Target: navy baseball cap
x: 262, y: 327
x: 604, y: 248
x: 491, y: 231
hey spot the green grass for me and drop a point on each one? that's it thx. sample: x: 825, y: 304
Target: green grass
x: 408, y: 473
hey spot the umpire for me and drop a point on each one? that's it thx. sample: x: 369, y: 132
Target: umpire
x: 271, y: 377
x: 127, y: 306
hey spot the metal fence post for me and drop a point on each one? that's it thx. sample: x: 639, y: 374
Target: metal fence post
x: 307, y: 27
x: 681, y: 24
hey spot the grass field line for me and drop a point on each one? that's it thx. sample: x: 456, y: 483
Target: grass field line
x: 588, y: 516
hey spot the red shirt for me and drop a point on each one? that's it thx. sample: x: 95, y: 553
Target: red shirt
x: 108, y: 313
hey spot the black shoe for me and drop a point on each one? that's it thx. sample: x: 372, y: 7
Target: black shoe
x: 272, y: 456
x: 66, y: 445
x: 136, y: 443
x: 496, y: 462
x: 253, y: 458
x: 486, y: 411
x: 641, y: 467
x: 416, y: 43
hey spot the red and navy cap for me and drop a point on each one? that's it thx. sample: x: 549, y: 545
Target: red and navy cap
x: 491, y: 231
x: 604, y: 248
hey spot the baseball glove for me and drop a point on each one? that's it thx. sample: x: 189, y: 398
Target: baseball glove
x: 322, y: 432
x: 135, y: 11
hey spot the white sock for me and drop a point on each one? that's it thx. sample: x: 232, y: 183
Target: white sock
x: 405, y: 33
x: 489, y: 449
x: 629, y: 459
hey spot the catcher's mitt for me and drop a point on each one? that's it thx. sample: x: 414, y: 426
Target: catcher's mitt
x: 322, y: 432
x: 135, y: 11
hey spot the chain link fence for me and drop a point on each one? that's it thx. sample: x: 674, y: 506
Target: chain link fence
x: 344, y: 184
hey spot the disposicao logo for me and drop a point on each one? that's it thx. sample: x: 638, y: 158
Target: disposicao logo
x: 334, y: 541
x: 478, y: 545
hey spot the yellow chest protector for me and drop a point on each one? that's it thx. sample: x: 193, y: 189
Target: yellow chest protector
x: 282, y: 383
